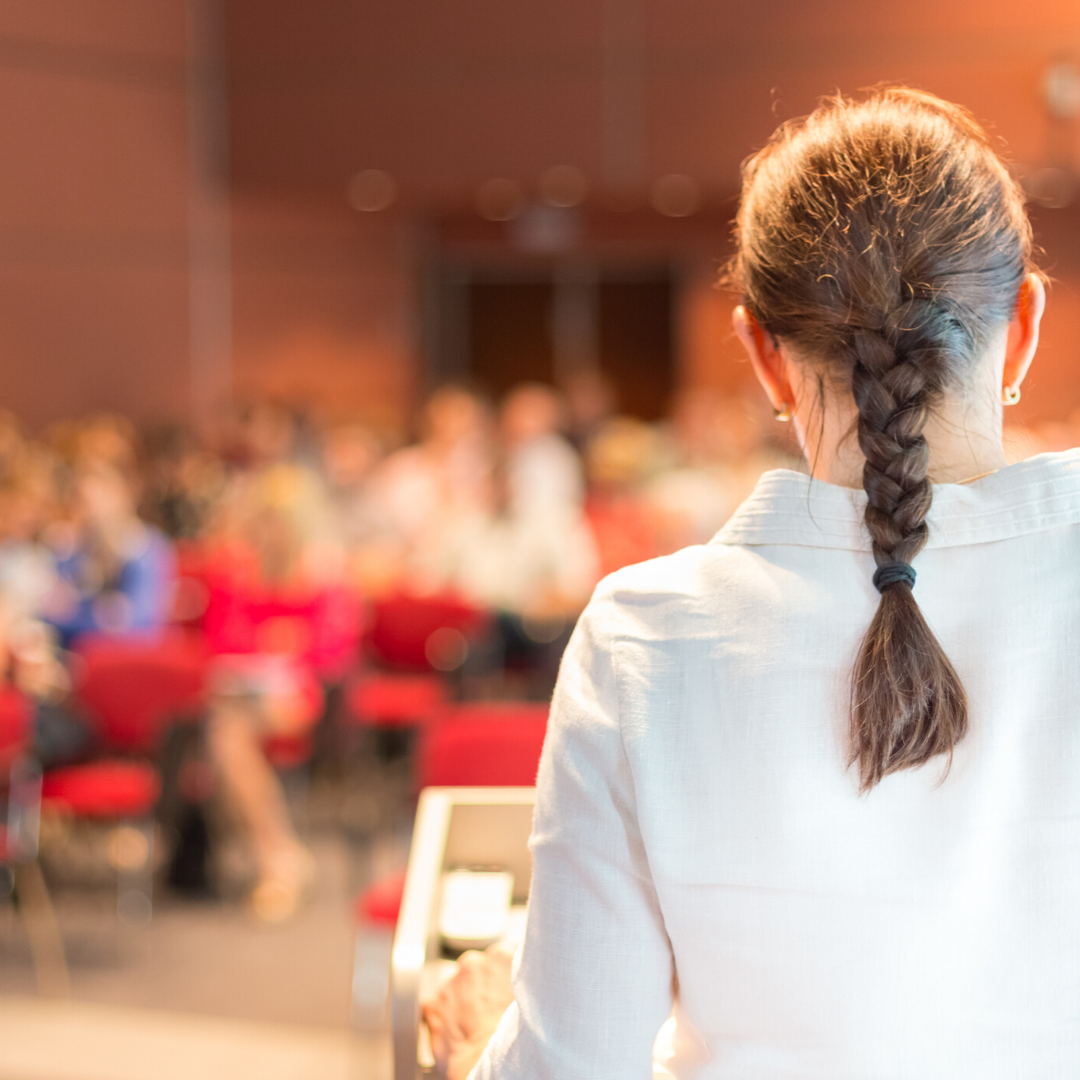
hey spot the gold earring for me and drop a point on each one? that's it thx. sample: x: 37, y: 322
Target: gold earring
x: 1010, y: 395
x: 783, y: 414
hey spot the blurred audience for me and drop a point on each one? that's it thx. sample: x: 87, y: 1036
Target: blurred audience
x: 713, y: 449
x: 350, y: 453
x: 519, y: 515
x: 529, y: 556
x: 282, y: 528
x: 530, y: 552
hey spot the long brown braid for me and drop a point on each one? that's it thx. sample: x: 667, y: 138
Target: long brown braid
x: 885, y: 242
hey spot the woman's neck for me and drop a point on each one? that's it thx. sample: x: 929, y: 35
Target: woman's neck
x: 963, y: 433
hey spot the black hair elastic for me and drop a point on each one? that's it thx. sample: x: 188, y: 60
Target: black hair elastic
x: 892, y: 573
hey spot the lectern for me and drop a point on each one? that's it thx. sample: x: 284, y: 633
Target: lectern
x: 457, y: 828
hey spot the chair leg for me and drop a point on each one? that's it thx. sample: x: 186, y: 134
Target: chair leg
x: 371, y: 978
x: 131, y: 850
x: 43, y: 930
x: 24, y: 808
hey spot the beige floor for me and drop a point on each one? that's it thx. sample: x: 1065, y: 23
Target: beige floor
x: 42, y: 1039
x: 209, y: 958
x: 203, y: 992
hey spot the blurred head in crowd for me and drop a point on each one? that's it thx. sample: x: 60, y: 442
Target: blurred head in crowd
x: 350, y: 452
x: 104, y: 438
x: 696, y: 419
x: 283, y: 516
x: 109, y: 439
x: 182, y: 481
x: 738, y: 432
x: 257, y: 433
x: 452, y: 416
x: 101, y: 469
x: 106, y: 494
x: 622, y: 454
x: 711, y: 427
x: 28, y: 499
x: 590, y: 400
x: 529, y: 412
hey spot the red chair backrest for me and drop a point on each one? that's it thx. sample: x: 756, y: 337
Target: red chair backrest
x: 486, y: 744
x: 133, y: 688
x: 15, y: 734
x: 402, y: 625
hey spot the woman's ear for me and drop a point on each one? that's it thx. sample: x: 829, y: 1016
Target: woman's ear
x: 1023, y: 331
x: 766, y: 359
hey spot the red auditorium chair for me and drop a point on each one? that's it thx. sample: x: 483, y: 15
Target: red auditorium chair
x: 135, y: 689
x: 405, y: 629
x: 20, y: 798
x: 132, y: 689
x: 18, y: 839
x: 122, y: 794
x: 477, y: 744
x: 393, y: 700
x: 14, y: 727
x: 290, y: 751
x: 483, y: 744
x: 103, y: 790
x: 413, y: 641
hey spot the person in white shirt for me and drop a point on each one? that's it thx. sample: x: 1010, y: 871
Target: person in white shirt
x: 422, y: 497
x: 810, y: 797
x: 533, y: 555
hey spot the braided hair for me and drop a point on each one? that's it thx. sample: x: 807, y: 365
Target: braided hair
x: 885, y: 242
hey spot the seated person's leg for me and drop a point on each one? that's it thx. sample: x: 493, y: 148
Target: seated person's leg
x: 236, y: 730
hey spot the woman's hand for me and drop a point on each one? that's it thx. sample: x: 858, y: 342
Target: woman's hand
x: 467, y: 1010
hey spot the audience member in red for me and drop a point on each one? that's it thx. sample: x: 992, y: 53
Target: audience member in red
x: 281, y: 623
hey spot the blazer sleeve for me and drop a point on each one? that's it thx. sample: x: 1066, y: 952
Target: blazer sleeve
x: 593, y: 982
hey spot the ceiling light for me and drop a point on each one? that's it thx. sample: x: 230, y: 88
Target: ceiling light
x: 500, y: 199
x: 563, y: 185
x: 676, y: 195
x: 371, y: 190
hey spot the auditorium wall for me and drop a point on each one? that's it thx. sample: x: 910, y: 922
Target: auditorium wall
x: 94, y: 207
x: 445, y: 97
x: 102, y: 184
x: 324, y: 308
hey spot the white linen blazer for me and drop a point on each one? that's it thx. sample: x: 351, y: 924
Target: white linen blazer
x: 698, y: 839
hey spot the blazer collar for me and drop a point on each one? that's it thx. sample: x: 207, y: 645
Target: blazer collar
x: 1031, y: 496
